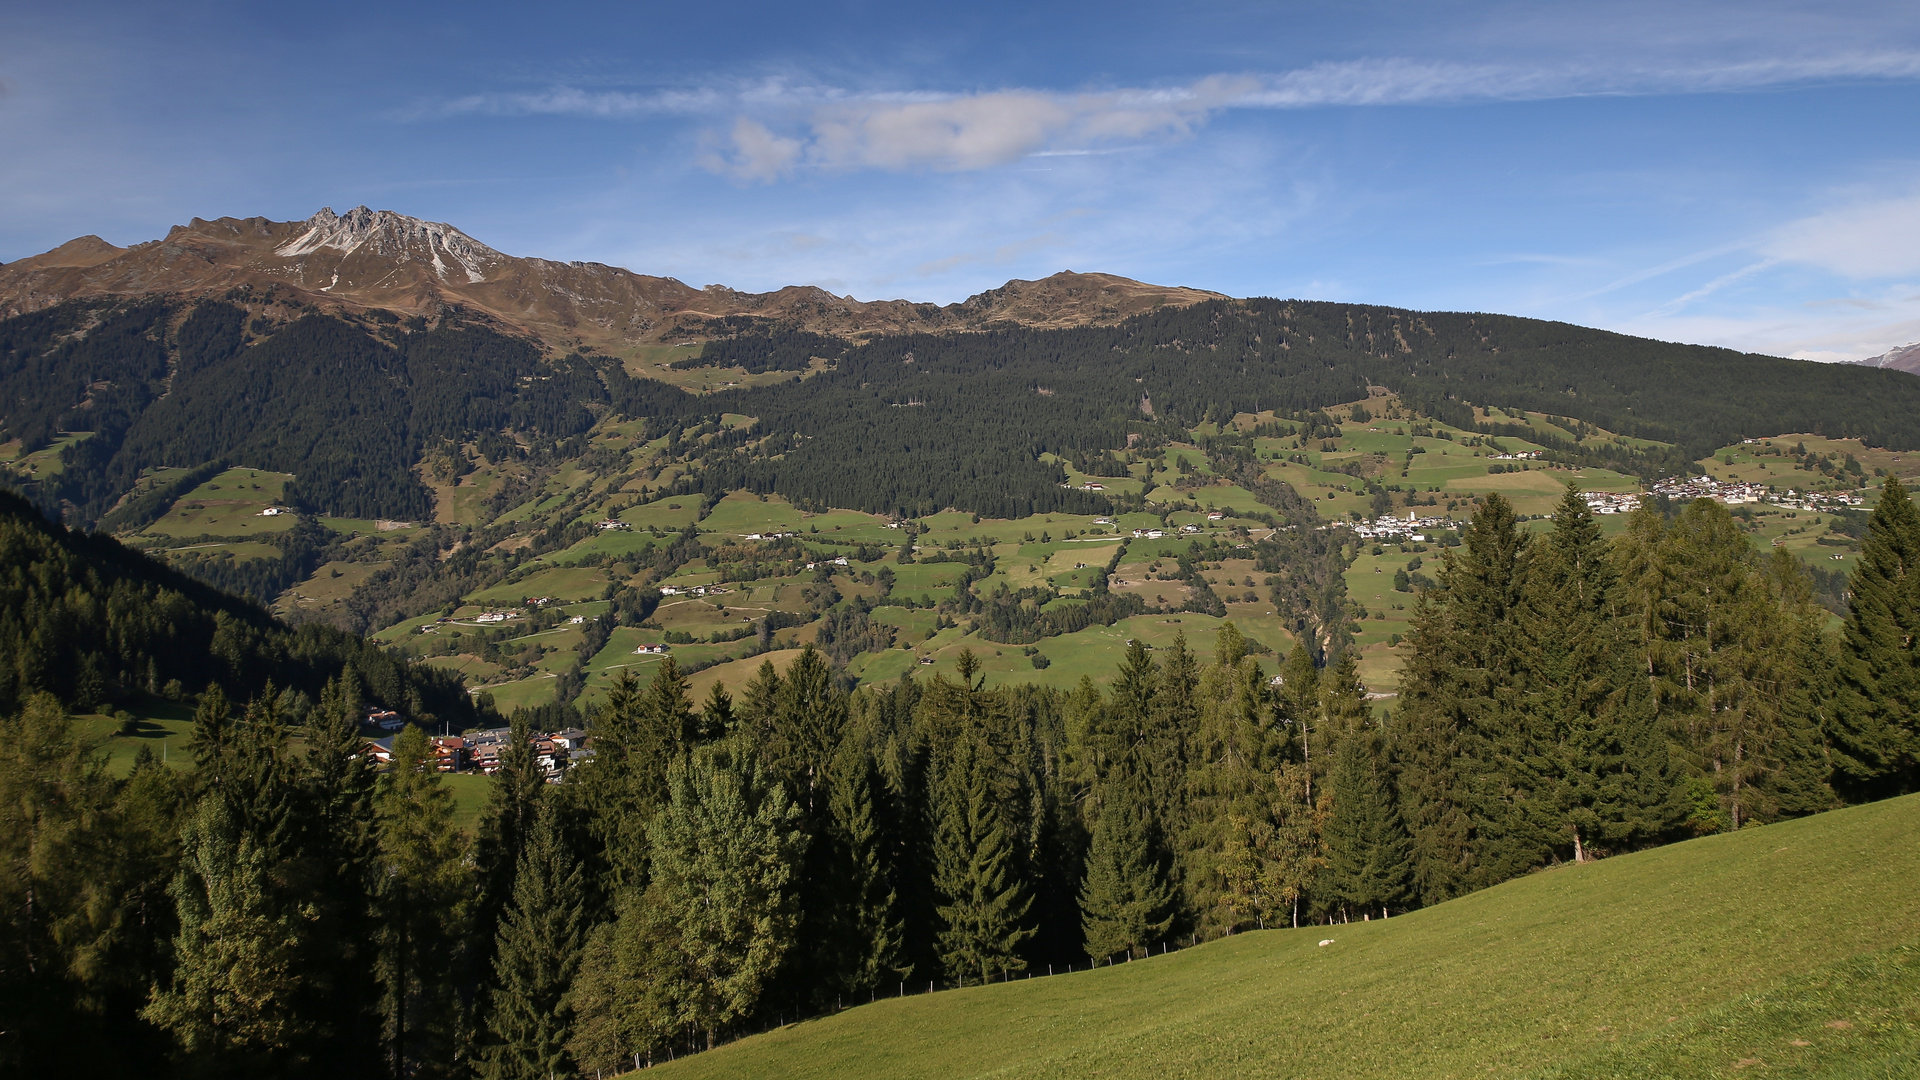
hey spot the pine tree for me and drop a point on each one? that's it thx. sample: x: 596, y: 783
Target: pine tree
x: 1876, y: 729
x: 984, y: 904
x: 1126, y: 901
x: 539, y: 949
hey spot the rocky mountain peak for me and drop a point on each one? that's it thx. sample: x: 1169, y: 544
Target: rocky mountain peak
x: 1905, y: 358
x: 394, y: 236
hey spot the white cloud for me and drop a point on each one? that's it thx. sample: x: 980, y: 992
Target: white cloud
x: 1874, y: 239
x: 977, y: 131
x: 754, y: 152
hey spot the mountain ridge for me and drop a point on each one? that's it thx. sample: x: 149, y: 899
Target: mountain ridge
x: 1905, y: 358
x: 379, y: 259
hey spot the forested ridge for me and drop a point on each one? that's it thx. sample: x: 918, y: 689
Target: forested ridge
x: 717, y: 866
x: 347, y: 407
x: 94, y: 623
x: 904, y: 423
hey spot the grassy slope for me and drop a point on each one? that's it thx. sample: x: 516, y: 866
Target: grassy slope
x: 1682, y: 961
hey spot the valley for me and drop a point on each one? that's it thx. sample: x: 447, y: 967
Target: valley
x: 649, y: 684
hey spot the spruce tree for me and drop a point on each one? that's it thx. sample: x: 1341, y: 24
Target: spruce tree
x: 716, y: 714
x: 863, y: 946
x: 540, y: 942
x: 1594, y: 740
x: 337, y: 782
x: 424, y: 882
x: 1876, y: 728
x: 1126, y: 901
x: 1369, y: 870
x: 1460, y: 716
x: 983, y: 903
x: 638, y: 733
x: 513, y: 802
x: 809, y: 717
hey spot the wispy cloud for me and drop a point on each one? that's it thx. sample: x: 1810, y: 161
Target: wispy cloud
x: 1868, y: 239
x: 781, y: 126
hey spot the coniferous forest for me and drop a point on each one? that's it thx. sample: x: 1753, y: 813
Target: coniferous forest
x: 715, y: 867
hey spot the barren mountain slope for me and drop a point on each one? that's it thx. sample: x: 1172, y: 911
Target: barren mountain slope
x: 380, y: 259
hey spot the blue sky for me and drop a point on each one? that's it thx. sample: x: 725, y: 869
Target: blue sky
x: 1744, y: 174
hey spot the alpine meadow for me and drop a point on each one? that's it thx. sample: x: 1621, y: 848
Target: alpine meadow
x: 424, y: 662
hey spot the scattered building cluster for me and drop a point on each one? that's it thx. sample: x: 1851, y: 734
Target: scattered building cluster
x: 553, y: 752
x: 1412, y: 527
x: 1522, y: 455
x: 1612, y: 502
x: 784, y: 535
x: 612, y: 523
x: 705, y: 590
x: 1732, y: 493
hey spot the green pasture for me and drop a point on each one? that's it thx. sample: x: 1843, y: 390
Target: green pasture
x: 561, y: 583
x: 1786, y: 950
x: 228, y: 505
x: 668, y: 515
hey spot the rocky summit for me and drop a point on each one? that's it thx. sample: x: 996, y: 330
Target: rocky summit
x: 378, y: 259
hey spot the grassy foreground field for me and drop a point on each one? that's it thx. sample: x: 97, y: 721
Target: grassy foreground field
x: 1790, y: 950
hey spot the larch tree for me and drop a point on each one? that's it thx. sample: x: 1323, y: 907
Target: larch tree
x: 231, y: 1001
x: 1229, y: 784
x: 725, y: 846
